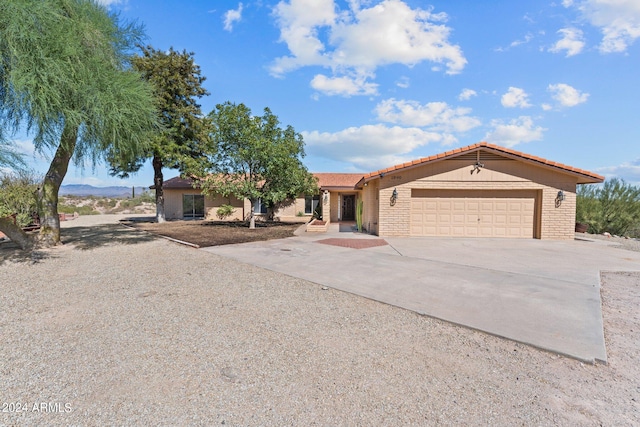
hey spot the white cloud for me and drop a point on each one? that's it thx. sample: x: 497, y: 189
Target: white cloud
x: 467, y: 94
x: 403, y: 82
x: 546, y: 107
x: 618, y: 20
x: 527, y: 38
x: 629, y: 171
x: 232, y: 16
x: 369, y: 147
x: 566, y: 95
x: 345, y: 86
x: 514, y: 132
x: 435, y: 116
x: 110, y: 2
x: 515, y: 97
x: 572, y: 42
x: 357, y: 40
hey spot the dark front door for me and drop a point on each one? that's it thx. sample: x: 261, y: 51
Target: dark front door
x: 348, y: 208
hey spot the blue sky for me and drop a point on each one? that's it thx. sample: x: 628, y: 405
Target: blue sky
x: 370, y: 84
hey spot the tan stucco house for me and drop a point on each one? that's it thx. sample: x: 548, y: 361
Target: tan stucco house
x: 482, y: 190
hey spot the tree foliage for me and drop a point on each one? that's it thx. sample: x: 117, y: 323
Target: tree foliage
x: 65, y: 76
x: 613, y: 207
x: 9, y: 157
x: 255, y: 158
x: 177, y: 84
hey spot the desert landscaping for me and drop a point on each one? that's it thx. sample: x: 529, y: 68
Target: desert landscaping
x: 119, y: 327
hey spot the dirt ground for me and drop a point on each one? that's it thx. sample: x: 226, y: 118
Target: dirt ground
x: 208, y: 233
x: 118, y: 327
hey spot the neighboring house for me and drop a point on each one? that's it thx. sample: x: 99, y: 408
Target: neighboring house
x: 482, y: 190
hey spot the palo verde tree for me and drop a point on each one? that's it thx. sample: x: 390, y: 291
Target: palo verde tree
x: 65, y: 77
x: 177, y: 84
x: 255, y: 158
x: 613, y: 207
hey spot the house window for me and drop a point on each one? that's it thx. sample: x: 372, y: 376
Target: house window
x: 259, y: 207
x: 310, y: 204
x: 192, y: 206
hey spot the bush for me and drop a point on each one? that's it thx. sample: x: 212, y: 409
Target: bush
x: 82, y: 210
x: 18, y: 196
x: 224, y: 211
x: 613, y: 207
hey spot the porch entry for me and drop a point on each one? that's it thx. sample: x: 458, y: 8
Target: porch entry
x: 348, y: 207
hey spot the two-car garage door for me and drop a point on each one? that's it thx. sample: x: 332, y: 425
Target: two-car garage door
x: 473, y: 213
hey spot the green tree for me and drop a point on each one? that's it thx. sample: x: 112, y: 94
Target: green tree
x: 184, y: 131
x: 613, y: 207
x: 18, y: 203
x: 65, y: 76
x: 9, y: 157
x: 255, y: 159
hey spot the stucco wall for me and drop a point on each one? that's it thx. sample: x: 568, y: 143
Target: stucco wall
x: 242, y: 208
x: 554, y: 222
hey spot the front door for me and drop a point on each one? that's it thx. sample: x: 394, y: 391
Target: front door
x: 348, y: 208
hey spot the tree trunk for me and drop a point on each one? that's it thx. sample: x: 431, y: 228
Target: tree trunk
x: 252, y: 217
x: 15, y: 233
x: 48, y: 193
x: 158, y: 179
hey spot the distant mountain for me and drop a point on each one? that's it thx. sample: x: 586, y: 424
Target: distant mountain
x: 90, y: 190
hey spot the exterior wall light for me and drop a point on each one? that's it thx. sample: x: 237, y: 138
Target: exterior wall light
x: 559, y: 198
x: 326, y: 196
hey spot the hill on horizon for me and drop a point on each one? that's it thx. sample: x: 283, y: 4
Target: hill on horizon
x: 90, y: 190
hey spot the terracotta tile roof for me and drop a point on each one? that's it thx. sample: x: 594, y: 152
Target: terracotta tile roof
x: 325, y: 180
x: 343, y: 180
x: 586, y: 176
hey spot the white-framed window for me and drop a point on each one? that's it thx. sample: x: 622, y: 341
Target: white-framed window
x: 310, y: 204
x: 259, y: 208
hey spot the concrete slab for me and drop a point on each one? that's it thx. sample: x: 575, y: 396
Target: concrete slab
x: 542, y: 293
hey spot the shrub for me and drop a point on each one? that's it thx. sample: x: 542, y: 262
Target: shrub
x: 613, y: 207
x: 224, y: 212
x: 18, y: 196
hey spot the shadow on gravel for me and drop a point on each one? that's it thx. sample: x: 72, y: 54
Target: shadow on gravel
x: 83, y: 238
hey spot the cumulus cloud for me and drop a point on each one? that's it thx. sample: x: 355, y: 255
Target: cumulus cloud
x: 407, y: 126
x: 358, y: 40
x: 110, y: 2
x: 403, y: 82
x: 567, y: 96
x: 515, y: 97
x: 344, y: 86
x: 618, y: 20
x: 467, y: 94
x: 435, y: 116
x: 629, y: 171
x: 232, y: 16
x: 369, y: 147
x: 514, y: 132
x: 572, y: 42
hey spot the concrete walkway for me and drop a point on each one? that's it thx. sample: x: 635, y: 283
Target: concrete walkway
x: 542, y: 293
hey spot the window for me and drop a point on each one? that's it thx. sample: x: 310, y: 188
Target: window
x: 310, y: 204
x: 259, y: 207
x: 192, y: 206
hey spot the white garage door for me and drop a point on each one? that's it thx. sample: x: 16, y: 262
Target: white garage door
x: 484, y: 213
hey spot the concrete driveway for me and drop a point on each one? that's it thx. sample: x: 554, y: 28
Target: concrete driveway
x: 542, y: 293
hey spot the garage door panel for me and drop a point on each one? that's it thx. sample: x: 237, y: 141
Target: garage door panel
x: 490, y: 214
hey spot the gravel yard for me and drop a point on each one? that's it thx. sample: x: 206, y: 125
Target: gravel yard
x: 120, y: 328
